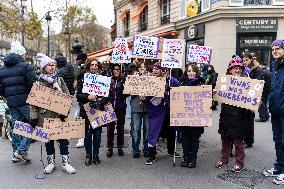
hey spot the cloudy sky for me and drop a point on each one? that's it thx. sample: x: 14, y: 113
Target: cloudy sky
x: 102, y: 8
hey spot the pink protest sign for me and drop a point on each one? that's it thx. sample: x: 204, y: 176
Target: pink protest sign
x: 199, y: 54
x: 120, y: 53
x: 173, y: 50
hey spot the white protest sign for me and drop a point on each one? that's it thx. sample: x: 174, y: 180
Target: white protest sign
x: 145, y: 47
x: 199, y: 54
x: 96, y: 84
x: 173, y: 50
x: 120, y: 53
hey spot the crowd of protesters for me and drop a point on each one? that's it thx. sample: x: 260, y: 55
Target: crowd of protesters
x: 149, y: 115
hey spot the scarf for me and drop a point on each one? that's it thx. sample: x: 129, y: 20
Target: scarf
x: 51, y: 79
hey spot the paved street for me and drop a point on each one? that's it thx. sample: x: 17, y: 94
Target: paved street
x: 126, y: 172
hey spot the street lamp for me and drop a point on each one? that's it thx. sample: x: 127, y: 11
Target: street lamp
x: 23, y: 6
x: 76, y: 48
x: 67, y: 34
x: 48, y: 19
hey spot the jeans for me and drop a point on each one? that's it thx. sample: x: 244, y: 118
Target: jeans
x: 120, y: 114
x: 239, y: 150
x: 63, y: 147
x: 136, y: 119
x: 92, y: 140
x: 278, y: 138
x: 128, y: 107
x: 263, y: 110
x: 20, y: 143
x: 190, y: 145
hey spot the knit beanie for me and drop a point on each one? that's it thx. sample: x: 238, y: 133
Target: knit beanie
x: 236, y: 61
x: 39, y: 56
x: 17, y: 48
x: 278, y: 42
x: 44, y: 61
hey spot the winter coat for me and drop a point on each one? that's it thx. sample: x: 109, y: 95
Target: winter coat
x: 256, y: 73
x: 267, y: 84
x: 186, y: 129
x: 117, y: 98
x: 16, y: 80
x: 276, y: 98
x: 40, y: 113
x: 66, y: 71
x: 212, y: 79
x: 82, y: 98
x: 234, y: 121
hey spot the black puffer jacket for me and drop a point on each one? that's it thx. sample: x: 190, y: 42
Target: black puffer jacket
x: 16, y: 80
x: 234, y: 121
x: 66, y: 71
x: 117, y: 98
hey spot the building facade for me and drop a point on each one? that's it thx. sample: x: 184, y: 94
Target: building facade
x: 227, y: 26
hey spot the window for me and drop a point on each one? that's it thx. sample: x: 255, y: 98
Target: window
x: 256, y: 2
x: 182, y: 7
x: 143, y: 21
x: 277, y: 2
x: 165, y: 11
x: 236, y: 3
x: 126, y: 23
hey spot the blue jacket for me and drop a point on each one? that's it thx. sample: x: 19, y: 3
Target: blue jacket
x: 276, y: 99
x: 16, y: 80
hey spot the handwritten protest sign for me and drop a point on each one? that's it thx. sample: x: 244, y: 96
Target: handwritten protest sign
x: 173, y: 50
x: 96, y: 84
x: 50, y: 99
x: 190, y: 106
x: 71, y: 128
x: 99, y: 118
x: 199, y: 54
x: 145, y: 47
x: 145, y: 85
x: 28, y: 131
x: 120, y: 53
x: 239, y: 91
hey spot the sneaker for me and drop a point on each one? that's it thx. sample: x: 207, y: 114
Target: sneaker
x: 50, y: 164
x: 88, y: 160
x: 15, y: 159
x: 271, y: 173
x: 279, y: 180
x: 177, y: 155
x: 23, y: 156
x: 221, y: 164
x: 80, y: 143
x: 150, y: 160
x: 66, y: 165
x: 120, y: 152
x: 109, y: 153
x: 237, y: 168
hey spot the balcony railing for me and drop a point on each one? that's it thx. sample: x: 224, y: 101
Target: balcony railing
x: 143, y: 27
x: 165, y: 19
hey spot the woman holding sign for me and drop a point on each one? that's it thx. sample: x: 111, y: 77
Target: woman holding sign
x: 191, y: 135
x: 233, y: 124
x: 92, y: 146
x: 48, y: 77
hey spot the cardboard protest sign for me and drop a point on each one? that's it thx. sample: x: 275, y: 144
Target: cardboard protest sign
x: 239, y: 91
x: 145, y: 85
x: 99, y: 118
x: 28, y: 131
x: 190, y: 106
x: 71, y: 128
x: 120, y: 53
x: 96, y: 84
x: 173, y: 50
x: 199, y: 54
x: 145, y: 47
x: 50, y: 99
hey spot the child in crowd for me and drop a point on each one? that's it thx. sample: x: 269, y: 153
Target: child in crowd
x: 191, y: 135
x: 233, y: 125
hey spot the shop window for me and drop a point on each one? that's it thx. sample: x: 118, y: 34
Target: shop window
x: 182, y: 7
x: 256, y: 2
x: 277, y: 2
x: 126, y: 23
x: 165, y: 11
x: 236, y: 3
x: 143, y: 21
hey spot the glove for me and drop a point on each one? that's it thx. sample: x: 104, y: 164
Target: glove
x: 33, y: 122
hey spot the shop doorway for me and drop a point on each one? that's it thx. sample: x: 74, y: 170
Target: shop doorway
x: 262, y: 55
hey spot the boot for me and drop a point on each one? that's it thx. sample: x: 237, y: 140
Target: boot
x: 109, y: 152
x: 120, y: 151
x: 192, y: 164
x: 96, y: 159
x: 66, y: 165
x: 152, y: 155
x: 88, y: 160
x: 185, y: 162
x: 51, y: 164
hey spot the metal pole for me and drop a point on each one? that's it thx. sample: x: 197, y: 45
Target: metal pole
x: 23, y: 28
x: 47, y: 39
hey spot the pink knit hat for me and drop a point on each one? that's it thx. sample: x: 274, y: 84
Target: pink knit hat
x: 236, y: 61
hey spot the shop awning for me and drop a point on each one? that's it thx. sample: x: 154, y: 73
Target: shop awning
x: 136, y: 15
x: 123, y: 14
x: 100, y: 53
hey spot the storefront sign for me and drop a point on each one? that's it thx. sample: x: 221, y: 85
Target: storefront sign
x: 257, y: 41
x: 194, y: 32
x: 257, y: 24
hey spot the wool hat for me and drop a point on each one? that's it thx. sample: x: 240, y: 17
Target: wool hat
x: 236, y: 61
x: 17, y: 48
x: 278, y: 42
x: 39, y: 56
x: 44, y: 61
x: 158, y: 65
